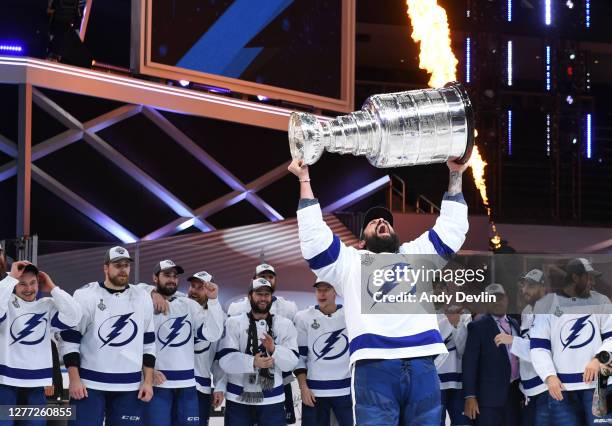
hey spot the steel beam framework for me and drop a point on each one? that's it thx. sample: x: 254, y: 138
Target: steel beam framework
x: 24, y: 155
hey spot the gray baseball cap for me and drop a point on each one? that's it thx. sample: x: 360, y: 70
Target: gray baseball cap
x: 535, y: 276
x: 495, y: 289
x: 117, y: 253
x: 166, y: 264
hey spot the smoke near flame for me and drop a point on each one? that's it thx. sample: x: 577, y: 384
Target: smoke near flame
x: 430, y: 29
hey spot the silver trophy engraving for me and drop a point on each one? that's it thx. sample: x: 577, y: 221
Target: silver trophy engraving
x: 393, y: 130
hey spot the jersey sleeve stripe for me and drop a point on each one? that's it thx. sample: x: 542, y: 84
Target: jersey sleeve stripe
x: 326, y: 257
x: 535, y: 343
x: 376, y: 341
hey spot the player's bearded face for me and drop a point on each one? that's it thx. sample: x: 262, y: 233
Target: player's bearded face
x: 118, y: 273
x: 261, y: 302
x: 196, y: 292
x: 380, y: 237
x: 167, y: 282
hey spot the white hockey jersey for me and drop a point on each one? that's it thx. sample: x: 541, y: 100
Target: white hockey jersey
x: 280, y: 306
x: 238, y: 364
x: 115, y: 331
x: 449, y: 371
x: 207, y: 367
x: 323, y: 346
x: 379, y: 336
x: 566, y: 339
x: 531, y: 384
x: 208, y: 372
x: 25, y: 334
x: 175, y: 338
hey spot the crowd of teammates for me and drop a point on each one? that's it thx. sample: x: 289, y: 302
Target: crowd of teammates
x: 149, y: 354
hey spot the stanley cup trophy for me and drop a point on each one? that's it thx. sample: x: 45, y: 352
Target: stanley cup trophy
x: 393, y: 130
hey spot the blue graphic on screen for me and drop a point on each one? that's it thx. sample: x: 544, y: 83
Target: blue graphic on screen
x: 293, y: 44
x: 222, y: 49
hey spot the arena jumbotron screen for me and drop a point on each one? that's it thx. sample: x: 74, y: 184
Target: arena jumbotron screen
x: 294, y: 45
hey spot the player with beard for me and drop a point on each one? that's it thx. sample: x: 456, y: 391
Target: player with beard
x: 110, y: 354
x: 282, y: 307
x: 532, y: 288
x: 26, y: 324
x: 175, y: 400
x: 206, y: 368
x: 569, y: 329
x: 257, y: 346
x: 392, y: 355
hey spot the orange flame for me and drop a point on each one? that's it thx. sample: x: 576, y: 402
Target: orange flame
x: 478, y: 169
x: 430, y: 29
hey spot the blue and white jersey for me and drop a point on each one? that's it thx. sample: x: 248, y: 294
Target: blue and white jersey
x: 323, y: 346
x: 25, y: 334
x: 449, y: 371
x: 237, y: 361
x: 207, y: 370
x: 116, y: 330
x: 531, y: 384
x: 208, y: 373
x: 280, y: 306
x: 381, y: 336
x: 564, y: 341
x: 175, y: 335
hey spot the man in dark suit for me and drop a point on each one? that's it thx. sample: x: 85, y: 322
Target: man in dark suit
x: 491, y: 372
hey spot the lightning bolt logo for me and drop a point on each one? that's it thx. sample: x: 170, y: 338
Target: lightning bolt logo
x: 119, y: 324
x: 388, y: 284
x: 175, y: 331
x: 199, y: 338
x: 575, y: 332
x: 28, y: 328
x: 331, y: 339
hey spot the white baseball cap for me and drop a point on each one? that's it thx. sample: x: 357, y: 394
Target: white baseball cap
x: 202, y: 276
x: 164, y: 265
x: 259, y: 283
x: 117, y: 253
x: 264, y: 267
x: 495, y: 289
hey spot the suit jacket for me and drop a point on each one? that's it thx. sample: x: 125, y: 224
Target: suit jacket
x: 486, y: 367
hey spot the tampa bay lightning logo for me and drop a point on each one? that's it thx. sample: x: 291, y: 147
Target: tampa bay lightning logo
x: 118, y: 330
x: 330, y: 345
x: 381, y: 286
x: 577, y: 332
x: 174, y: 332
x: 28, y: 329
x: 201, y: 344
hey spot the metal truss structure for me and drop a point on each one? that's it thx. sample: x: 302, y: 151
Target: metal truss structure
x: 144, y: 98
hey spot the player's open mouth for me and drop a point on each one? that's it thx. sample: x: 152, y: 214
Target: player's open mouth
x: 382, y: 229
